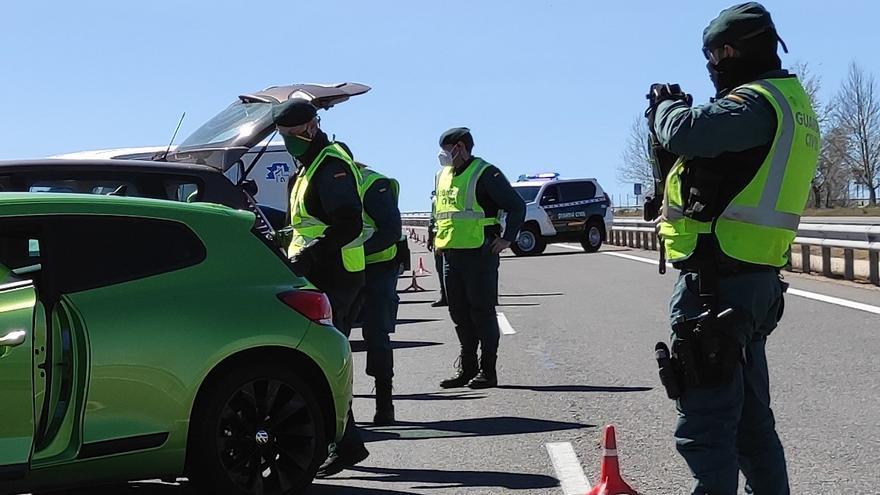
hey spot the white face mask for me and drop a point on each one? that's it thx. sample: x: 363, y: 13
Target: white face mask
x: 445, y: 158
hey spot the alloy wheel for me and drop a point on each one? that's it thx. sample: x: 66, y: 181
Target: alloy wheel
x: 265, y: 437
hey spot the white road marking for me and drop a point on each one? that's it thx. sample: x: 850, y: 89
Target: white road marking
x: 568, y: 468
x: 504, y: 325
x: 835, y: 300
x: 795, y: 292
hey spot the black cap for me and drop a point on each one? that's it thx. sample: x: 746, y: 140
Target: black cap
x: 293, y: 112
x: 457, y: 134
x: 736, y: 25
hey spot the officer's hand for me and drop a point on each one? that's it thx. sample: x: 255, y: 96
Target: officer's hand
x: 499, y: 245
x: 303, y: 262
x: 430, y: 243
x: 662, y: 92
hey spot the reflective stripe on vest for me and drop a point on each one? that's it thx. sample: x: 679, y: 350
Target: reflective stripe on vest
x: 459, y: 217
x: 369, y: 177
x: 761, y: 221
x: 307, y: 228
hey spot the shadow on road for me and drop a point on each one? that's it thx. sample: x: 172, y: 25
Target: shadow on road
x: 536, y: 294
x: 560, y: 253
x: 325, y: 489
x: 361, y: 346
x: 183, y: 488
x: 410, y: 321
x: 420, y: 301
x: 574, y: 388
x: 456, y: 479
x: 462, y: 428
x: 433, y: 396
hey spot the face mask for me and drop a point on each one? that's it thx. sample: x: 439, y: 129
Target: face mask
x: 296, y: 145
x: 729, y: 73
x: 446, y: 158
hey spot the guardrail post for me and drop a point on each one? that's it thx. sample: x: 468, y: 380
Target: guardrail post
x: 806, y: 267
x: 653, y: 242
x: 849, y: 272
x: 826, y: 261
x: 874, y: 267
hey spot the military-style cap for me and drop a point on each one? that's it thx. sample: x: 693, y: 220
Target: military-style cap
x: 455, y: 135
x: 738, y: 24
x: 293, y: 112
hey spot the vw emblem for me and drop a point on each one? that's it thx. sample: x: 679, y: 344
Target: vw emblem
x: 262, y: 437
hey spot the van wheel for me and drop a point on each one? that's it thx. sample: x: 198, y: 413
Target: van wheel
x: 529, y: 242
x: 594, y: 234
x: 259, y: 431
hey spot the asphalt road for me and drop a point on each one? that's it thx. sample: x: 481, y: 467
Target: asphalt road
x: 582, y: 357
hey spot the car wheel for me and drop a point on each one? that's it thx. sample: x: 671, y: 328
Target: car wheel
x: 260, y: 430
x: 529, y: 242
x: 594, y: 234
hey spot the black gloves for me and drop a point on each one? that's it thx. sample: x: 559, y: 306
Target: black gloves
x: 662, y: 92
x: 306, y: 260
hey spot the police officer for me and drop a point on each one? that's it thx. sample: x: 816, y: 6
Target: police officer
x: 732, y: 206
x: 326, y: 246
x: 470, y: 195
x: 382, y: 231
x: 439, y: 264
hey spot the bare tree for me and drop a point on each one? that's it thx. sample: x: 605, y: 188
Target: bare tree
x: 635, y: 166
x: 831, y: 172
x: 857, y: 113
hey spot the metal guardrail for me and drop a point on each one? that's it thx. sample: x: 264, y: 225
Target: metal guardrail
x: 635, y: 232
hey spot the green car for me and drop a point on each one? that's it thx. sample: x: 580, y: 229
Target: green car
x: 144, y: 339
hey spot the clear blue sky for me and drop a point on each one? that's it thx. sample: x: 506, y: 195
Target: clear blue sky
x: 543, y: 85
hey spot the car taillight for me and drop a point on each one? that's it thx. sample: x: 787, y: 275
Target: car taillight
x: 313, y: 305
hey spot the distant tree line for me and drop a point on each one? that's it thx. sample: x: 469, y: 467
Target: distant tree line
x: 850, y: 146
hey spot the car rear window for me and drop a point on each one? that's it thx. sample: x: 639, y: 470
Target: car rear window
x: 102, y: 187
x: 104, y: 250
x: 577, y: 191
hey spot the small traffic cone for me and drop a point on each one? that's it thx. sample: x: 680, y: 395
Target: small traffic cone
x: 422, y: 270
x: 414, y: 285
x: 610, y: 481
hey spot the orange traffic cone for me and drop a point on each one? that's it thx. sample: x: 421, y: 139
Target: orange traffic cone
x: 422, y: 270
x: 610, y: 482
x: 414, y: 285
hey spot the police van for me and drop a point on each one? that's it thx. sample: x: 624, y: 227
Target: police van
x: 561, y: 210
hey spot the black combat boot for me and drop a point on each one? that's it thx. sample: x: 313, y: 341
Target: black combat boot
x: 467, y: 369
x: 384, y: 407
x: 487, y: 378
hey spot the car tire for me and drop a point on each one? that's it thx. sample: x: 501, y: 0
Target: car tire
x: 258, y: 430
x: 529, y: 242
x: 594, y: 235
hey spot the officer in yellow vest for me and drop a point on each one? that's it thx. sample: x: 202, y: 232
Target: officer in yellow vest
x: 439, y: 264
x: 470, y: 195
x: 326, y: 245
x: 382, y: 233
x: 731, y: 209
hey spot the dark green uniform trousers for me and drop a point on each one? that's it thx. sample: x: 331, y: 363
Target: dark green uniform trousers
x: 472, y: 291
x: 727, y: 428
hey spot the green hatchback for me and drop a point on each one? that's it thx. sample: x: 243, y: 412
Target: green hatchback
x: 151, y: 339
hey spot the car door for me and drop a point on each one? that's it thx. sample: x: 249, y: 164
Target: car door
x: 17, y: 302
x: 550, y: 202
x: 571, y: 212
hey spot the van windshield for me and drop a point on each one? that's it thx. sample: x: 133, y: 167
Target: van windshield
x: 527, y: 193
x: 238, y: 122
